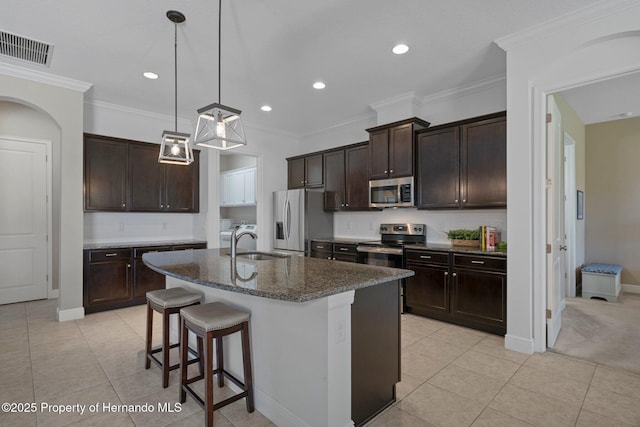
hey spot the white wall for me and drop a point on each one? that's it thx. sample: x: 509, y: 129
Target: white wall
x: 601, y: 41
x: 63, y: 103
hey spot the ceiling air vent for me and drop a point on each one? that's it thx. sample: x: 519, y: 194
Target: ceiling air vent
x: 25, y: 49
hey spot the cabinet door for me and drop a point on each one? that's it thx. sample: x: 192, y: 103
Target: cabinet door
x: 401, y: 151
x: 428, y: 291
x: 484, y: 164
x: 313, y: 170
x: 295, y: 173
x: 249, y: 180
x: 146, y: 178
x: 438, y: 169
x: 108, y: 282
x: 105, y: 175
x: 182, y: 186
x: 357, y: 178
x: 479, y: 298
x: 334, y: 181
x: 379, y: 154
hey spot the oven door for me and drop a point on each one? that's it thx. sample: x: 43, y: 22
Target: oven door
x: 380, y: 255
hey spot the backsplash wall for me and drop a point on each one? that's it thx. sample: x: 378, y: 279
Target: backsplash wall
x: 105, y: 227
x: 365, y: 224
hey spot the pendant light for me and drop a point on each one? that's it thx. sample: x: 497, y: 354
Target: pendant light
x: 219, y: 126
x: 175, y: 148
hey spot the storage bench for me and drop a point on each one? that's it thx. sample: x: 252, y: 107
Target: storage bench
x: 601, y: 281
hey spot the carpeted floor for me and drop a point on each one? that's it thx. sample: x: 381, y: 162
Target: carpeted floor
x: 602, y: 332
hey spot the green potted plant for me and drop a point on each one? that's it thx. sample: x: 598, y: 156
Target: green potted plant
x: 464, y: 237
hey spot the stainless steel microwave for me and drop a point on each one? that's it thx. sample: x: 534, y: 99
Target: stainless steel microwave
x: 391, y: 193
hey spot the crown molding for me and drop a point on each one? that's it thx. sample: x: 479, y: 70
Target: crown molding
x: 42, y: 77
x: 468, y: 89
x: 102, y: 105
x: 593, y: 12
x: 407, y: 96
x: 348, y: 122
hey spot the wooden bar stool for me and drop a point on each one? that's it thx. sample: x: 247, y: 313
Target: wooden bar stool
x: 214, y: 321
x: 166, y: 302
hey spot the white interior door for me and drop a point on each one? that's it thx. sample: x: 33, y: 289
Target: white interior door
x: 570, y: 212
x: 23, y: 221
x: 556, y: 273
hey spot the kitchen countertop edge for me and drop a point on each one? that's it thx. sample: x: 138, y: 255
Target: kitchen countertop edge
x: 459, y: 249
x: 122, y: 245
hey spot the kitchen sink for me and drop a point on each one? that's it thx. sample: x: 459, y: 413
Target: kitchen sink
x: 260, y: 256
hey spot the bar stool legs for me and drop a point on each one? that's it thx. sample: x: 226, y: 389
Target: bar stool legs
x: 211, y: 322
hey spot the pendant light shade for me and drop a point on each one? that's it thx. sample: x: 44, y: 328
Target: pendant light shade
x: 175, y: 148
x: 219, y: 126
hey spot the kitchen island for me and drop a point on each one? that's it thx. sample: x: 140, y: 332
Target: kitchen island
x: 325, y: 335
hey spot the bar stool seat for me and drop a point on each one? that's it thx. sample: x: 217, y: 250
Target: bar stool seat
x: 208, y: 322
x: 166, y: 302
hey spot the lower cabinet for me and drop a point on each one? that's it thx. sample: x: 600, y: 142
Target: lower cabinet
x: 334, y: 251
x: 115, y: 278
x: 469, y: 290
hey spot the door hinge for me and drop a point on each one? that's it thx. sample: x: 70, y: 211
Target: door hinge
x: 548, y: 117
x: 548, y: 248
x: 548, y: 183
x: 548, y: 314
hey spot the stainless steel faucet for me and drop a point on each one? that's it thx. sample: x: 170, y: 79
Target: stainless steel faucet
x: 235, y: 237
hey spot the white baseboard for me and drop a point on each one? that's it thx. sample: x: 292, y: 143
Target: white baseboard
x: 518, y: 344
x: 72, y: 314
x: 630, y: 289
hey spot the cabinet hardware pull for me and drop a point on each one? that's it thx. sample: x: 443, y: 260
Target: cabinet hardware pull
x: 454, y: 274
x: 446, y: 273
x: 168, y: 206
x: 123, y: 205
x: 320, y: 247
x: 347, y: 204
x: 464, y: 200
x: 386, y: 171
x: 425, y: 256
x: 344, y: 249
x: 391, y: 171
x: 128, y: 265
x: 477, y: 262
x: 162, y: 206
x: 456, y: 201
x: 328, y: 257
x: 112, y: 254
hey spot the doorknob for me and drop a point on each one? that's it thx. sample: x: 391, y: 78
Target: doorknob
x: 563, y: 248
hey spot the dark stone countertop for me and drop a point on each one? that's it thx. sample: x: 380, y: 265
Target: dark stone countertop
x: 117, y: 245
x: 293, y: 278
x: 458, y: 249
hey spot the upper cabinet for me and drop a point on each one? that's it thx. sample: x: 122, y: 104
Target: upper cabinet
x: 463, y: 164
x: 238, y: 187
x: 391, y: 148
x: 346, y: 178
x: 123, y: 175
x: 305, y: 171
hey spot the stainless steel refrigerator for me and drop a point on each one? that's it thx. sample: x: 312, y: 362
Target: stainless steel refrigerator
x: 300, y: 217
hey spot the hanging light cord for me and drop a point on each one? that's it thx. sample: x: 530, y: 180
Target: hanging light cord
x: 175, y: 73
x: 219, y: 50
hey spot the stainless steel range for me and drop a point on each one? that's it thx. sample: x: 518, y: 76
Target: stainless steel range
x: 388, y: 250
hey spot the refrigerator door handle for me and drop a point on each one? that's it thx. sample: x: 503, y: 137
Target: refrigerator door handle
x: 288, y: 220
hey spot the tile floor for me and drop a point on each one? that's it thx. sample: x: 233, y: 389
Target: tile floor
x: 451, y: 376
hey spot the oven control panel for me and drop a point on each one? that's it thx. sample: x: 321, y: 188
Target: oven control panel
x: 405, y: 229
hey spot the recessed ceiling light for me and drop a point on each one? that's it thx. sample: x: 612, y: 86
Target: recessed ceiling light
x: 399, y: 49
x: 266, y: 108
x: 150, y: 75
x: 319, y: 85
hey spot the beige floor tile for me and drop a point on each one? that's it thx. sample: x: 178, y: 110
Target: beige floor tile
x: 419, y: 324
x: 61, y: 350
x: 437, y: 349
x: 562, y: 366
x: 534, y: 408
x: 13, y: 359
x: 236, y: 412
x: 615, y: 380
x: 167, y: 408
x: 441, y: 407
x: 14, y: 339
x: 492, y: 418
x: 18, y: 419
x: 494, y: 346
x: 143, y: 383
x: 613, y: 405
x: 105, y: 420
x: 21, y: 390
x: 197, y: 420
x: 41, y: 311
x: 52, y: 332
x: 410, y: 336
x: 467, y: 383
x: 19, y: 375
x: 395, y: 417
x: 406, y: 386
x: 420, y: 366
x: 55, y: 382
x: 488, y: 365
x: 123, y: 365
x: 591, y: 419
x: 550, y: 384
x: 457, y: 335
x: 16, y: 311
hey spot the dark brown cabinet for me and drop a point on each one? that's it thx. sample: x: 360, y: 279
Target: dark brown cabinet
x: 391, y: 148
x: 466, y: 289
x: 462, y: 165
x: 305, y: 171
x: 115, y: 278
x: 334, y: 251
x: 346, y: 178
x: 123, y: 175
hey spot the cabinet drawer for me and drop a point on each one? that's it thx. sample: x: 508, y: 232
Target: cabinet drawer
x: 480, y: 262
x: 191, y: 246
x: 138, y: 252
x: 320, y: 246
x: 340, y: 248
x: 427, y: 257
x: 109, y: 255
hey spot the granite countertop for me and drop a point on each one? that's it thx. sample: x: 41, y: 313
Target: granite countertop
x: 116, y: 245
x: 459, y: 249
x: 293, y: 278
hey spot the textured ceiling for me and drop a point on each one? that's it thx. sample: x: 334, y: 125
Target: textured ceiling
x: 272, y: 51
